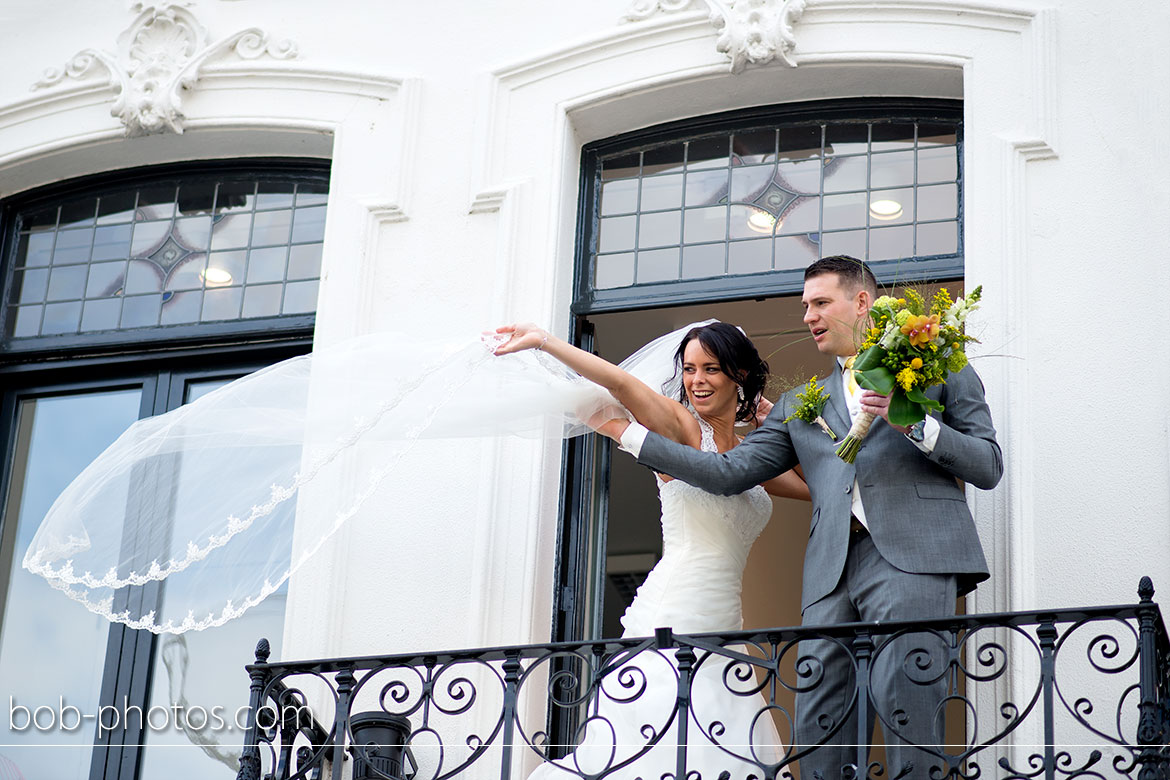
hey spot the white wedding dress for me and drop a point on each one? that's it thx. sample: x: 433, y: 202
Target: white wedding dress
x: 694, y: 588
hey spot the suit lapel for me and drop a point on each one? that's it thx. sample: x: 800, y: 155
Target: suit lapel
x: 836, y: 411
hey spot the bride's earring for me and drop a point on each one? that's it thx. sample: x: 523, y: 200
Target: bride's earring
x: 740, y: 389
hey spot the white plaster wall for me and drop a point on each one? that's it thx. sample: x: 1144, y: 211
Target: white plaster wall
x: 455, y: 131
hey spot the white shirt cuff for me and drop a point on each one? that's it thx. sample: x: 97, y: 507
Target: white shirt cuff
x: 633, y: 437
x: 929, y: 435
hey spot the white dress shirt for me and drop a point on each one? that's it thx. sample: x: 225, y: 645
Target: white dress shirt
x: 853, y: 403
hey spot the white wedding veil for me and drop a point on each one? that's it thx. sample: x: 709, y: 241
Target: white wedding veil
x: 190, y: 518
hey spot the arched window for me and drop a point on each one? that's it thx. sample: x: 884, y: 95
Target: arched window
x: 718, y: 216
x: 164, y: 255
x: 737, y: 205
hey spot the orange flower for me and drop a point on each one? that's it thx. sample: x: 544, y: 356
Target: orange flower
x: 921, y: 329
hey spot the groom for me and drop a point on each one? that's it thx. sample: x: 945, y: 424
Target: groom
x: 891, y: 536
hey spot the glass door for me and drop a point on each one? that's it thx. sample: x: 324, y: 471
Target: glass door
x: 91, y: 699
x: 52, y: 650
x: 198, y: 678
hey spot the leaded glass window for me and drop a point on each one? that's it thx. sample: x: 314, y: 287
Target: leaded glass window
x: 175, y: 251
x: 749, y: 202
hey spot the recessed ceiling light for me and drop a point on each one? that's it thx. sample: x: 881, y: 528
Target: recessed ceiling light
x: 216, y: 277
x: 885, y: 209
x: 761, y: 221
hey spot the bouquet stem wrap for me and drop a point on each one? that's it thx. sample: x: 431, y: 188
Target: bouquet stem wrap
x: 847, y: 449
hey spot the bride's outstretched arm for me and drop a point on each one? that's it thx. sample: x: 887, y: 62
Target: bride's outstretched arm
x: 663, y: 415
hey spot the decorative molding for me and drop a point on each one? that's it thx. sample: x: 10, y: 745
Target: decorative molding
x: 488, y: 191
x: 160, y: 56
x: 1033, y: 149
x: 644, y: 9
x: 487, y: 201
x: 384, y: 213
x: 751, y: 32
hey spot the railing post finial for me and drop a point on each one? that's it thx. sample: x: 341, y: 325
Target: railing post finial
x: 250, y: 755
x: 1151, y: 723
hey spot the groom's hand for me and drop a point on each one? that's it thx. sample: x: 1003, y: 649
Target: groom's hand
x: 879, y: 405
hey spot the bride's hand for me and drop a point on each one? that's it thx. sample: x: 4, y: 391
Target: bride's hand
x: 521, y: 336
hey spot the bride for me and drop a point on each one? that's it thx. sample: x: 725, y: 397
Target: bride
x: 696, y: 585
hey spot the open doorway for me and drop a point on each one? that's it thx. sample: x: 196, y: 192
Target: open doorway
x: 771, y: 589
x: 632, y: 537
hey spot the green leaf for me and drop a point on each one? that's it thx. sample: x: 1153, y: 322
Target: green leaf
x: 919, y: 397
x: 870, y: 359
x: 879, y: 379
x: 903, y: 411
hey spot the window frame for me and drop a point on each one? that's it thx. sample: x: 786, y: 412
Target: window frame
x: 158, y: 337
x: 127, y: 669
x: 587, y: 300
x: 585, y: 470
x: 162, y: 361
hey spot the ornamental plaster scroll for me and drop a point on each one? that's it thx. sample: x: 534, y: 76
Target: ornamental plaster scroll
x: 159, y: 58
x: 751, y: 32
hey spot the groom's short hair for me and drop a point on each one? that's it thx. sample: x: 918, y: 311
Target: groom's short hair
x: 853, y: 274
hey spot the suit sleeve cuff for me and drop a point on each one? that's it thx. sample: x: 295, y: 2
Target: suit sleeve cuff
x: 929, y: 435
x: 633, y: 438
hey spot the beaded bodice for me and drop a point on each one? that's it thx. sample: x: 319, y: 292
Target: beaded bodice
x: 706, y: 539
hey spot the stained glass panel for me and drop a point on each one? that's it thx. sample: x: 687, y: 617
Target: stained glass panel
x: 776, y: 198
x: 118, y: 260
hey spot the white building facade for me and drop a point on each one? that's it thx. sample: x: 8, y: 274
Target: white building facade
x: 440, y: 168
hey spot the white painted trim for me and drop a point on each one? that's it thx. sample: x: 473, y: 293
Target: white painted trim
x: 988, y: 43
x: 32, y: 129
x: 366, y: 123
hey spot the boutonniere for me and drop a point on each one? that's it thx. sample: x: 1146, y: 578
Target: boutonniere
x: 810, y: 402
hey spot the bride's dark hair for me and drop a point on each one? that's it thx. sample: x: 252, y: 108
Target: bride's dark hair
x: 738, y: 358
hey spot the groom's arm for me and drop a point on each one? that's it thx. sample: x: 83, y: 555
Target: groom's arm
x: 966, y: 444
x: 764, y: 454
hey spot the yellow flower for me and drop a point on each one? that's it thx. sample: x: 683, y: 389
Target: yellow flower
x: 916, y: 363
x: 942, y: 301
x: 921, y: 329
x: 906, y: 378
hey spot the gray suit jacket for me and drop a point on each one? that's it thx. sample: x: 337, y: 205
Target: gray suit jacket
x: 914, y: 506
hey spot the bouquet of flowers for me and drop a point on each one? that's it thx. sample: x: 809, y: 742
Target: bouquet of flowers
x: 911, y: 346
x: 810, y: 404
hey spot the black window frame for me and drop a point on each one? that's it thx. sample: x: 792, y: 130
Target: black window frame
x: 56, y: 347
x: 163, y: 361
x: 127, y: 671
x: 585, y: 458
x: 587, y: 300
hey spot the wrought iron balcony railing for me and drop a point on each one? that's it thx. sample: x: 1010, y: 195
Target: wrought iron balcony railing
x: 1059, y: 694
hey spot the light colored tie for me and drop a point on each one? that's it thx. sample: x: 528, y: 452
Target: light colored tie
x: 851, y: 377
